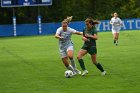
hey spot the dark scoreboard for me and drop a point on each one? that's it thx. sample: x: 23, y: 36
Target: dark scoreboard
x: 20, y: 3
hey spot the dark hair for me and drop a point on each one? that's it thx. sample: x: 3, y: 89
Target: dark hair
x: 91, y: 21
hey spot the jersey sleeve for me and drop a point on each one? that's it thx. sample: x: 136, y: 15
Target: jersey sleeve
x: 58, y: 31
x: 95, y: 31
x: 120, y: 21
x: 72, y: 30
x: 111, y: 20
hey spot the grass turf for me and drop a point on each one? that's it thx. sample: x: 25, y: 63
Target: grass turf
x: 33, y: 65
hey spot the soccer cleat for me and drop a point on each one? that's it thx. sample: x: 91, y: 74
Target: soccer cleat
x: 103, y: 73
x: 84, y: 72
x: 77, y: 71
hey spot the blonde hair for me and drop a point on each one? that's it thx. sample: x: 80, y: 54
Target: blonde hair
x: 112, y: 14
x: 67, y: 20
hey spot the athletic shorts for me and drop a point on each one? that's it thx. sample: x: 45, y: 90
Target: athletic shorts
x: 116, y: 30
x: 90, y: 49
x: 63, y: 52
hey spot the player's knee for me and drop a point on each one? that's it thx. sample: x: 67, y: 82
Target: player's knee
x: 70, y: 57
x: 79, y: 57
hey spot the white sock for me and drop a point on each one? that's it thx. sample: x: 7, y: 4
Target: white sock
x: 70, y: 68
x: 117, y: 41
x: 73, y: 63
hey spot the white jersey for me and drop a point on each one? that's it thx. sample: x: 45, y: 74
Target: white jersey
x: 116, y: 22
x: 66, y: 41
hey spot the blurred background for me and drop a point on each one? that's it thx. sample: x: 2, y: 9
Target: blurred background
x: 80, y: 9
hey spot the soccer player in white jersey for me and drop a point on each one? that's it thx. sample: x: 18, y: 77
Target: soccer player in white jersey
x: 66, y: 45
x: 116, y: 26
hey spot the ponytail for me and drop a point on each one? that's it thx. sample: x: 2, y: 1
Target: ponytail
x: 91, y: 21
x: 67, y: 20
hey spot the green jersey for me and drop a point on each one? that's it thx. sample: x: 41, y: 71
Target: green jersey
x: 91, y: 41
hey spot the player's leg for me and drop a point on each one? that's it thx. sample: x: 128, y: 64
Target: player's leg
x: 93, y: 53
x: 97, y: 64
x: 114, y: 35
x: 117, y: 37
x: 81, y: 53
x: 70, y: 53
x: 66, y: 63
x: 65, y: 59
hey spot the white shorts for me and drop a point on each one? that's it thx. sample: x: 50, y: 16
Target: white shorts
x: 116, y: 30
x: 63, y: 52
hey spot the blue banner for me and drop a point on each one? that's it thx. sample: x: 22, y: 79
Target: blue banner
x: 19, y: 3
x: 128, y: 24
x: 50, y: 28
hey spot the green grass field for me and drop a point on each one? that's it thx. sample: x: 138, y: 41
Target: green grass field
x: 33, y: 65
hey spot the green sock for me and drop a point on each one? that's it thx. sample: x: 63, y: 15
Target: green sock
x: 99, y: 66
x: 114, y: 41
x: 81, y: 62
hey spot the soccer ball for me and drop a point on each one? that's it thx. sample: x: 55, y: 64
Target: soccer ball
x: 68, y: 74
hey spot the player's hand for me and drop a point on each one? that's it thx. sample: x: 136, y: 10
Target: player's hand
x: 118, y: 24
x: 113, y: 24
x: 87, y: 35
x: 81, y: 33
x: 85, y: 39
x: 61, y: 37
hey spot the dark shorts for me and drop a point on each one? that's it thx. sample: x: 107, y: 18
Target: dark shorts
x: 90, y: 49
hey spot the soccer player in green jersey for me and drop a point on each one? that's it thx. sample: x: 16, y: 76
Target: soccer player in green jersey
x: 89, y: 46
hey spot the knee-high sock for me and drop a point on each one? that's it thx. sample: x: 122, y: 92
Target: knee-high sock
x: 99, y: 66
x: 82, y: 65
x: 73, y: 63
x: 114, y: 41
x: 70, y: 68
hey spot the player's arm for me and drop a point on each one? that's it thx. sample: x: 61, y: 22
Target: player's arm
x: 78, y: 33
x: 73, y: 31
x: 81, y: 33
x: 84, y: 38
x: 94, y: 36
x: 58, y: 36
x: 121, y: 23
x: 111, y: 22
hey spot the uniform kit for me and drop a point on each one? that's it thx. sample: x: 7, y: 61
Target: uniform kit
x: 116, y: 26
x: 66, y: 43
